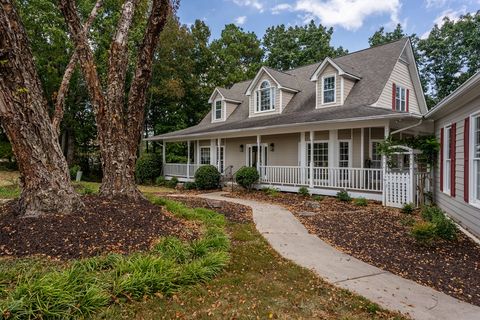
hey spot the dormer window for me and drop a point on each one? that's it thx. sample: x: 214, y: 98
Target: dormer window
x: 400, y: 99
x: 265, y: 97
x: 218, y: 110
x: 328, y: 89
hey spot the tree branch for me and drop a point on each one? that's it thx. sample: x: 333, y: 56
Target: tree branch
x: 161, y: 9
x: 84, y: 55
x: 64, y: 85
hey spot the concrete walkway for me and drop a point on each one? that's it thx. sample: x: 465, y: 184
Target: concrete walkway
x: 290, y: 238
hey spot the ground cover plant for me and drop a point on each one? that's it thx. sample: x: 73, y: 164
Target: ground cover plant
x: 45, y: 288
x: 382, y: 237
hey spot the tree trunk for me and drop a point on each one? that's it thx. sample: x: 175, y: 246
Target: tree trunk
x: 45, y: 180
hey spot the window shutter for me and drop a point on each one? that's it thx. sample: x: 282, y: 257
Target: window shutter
x: 466, y: 158
x: 394, y: 89
x: 442, y: 145
x: 453, y: 162
x: 408, y: 98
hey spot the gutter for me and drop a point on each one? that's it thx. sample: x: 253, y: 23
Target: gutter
x: 409, y: 127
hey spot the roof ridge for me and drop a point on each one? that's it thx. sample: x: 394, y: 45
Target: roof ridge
x: 374, y: 47
x: 281, y: 71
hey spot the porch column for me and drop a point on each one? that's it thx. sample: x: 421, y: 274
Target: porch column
x: 412, y: 178
x: 188, y: 159
x: 384, y: 166
x: 362, y: 157
x: 302, y: 156
x: 219, y: 143
x: 311, y: 158
x: 258, y: 153
x: 164, y: 146
x: 197, y: 153
x: 213, y: 154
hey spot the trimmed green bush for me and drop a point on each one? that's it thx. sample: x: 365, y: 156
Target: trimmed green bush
x: 344, y: 196
x: 272, y: 192
x: 161, y: 181
x: 172, y: 183
x: 408, y: 208
x: 361, y: 202
x: 247, y: 177
x: 424, y: 232
x: 207, y: 177
x: 444, y: 227
x: 190, y: 186
x: 148, y: 167
x: 430, y: 212
x: 303, y: 191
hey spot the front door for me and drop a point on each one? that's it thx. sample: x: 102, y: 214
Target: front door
x: 252, y: 155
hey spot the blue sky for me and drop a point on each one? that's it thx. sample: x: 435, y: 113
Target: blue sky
x: 353, y: 20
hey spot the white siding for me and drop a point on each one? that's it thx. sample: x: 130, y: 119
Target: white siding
x: 401, y: 76
x: 277, y: 110
x: 464, y: 213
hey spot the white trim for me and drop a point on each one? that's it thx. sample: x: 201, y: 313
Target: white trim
x: 399, y: 97
x: 341, y: 72
x: 210, y: 100
x: 473, y: 181
x: 257, y: 98
x: 334, y: 75
x: 350, y: 152
x: 280, y: 107
x: 446, y: 152
x: 200, y: 155
x: 417, y: 84
x: 257, y: 77
x: 223, y: 110
x: 342, y: 93
x: 247, y: 153
x: 370, y: 149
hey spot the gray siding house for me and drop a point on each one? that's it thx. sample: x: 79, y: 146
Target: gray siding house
x: 457, y: 178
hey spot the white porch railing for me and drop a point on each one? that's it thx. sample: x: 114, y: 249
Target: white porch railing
x: 180, y: 170
x: 362, y: 179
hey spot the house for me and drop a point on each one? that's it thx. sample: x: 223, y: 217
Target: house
x: 457, y: 127
x: 316, y: 126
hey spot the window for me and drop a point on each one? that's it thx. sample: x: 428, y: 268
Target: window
x: 204, y: 155
x: 344, y: 154
x: 400, y: 99
x: 376, y: 157
x: 265, y: 97
x: 475, y: 147
x: 447, y: 165
x: 218, y: 110
x: 328, y: 89
x: 320, y: 154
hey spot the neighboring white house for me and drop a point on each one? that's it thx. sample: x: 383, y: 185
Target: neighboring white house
x: 457, y: 126
x: 316, y: 126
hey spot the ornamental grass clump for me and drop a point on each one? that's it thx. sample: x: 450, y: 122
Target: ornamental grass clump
x: 80, y: 288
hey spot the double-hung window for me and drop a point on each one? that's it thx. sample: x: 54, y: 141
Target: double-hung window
x: 328, y: 89
x: 400, y: 99
x: 265, y: 97
x: 320, y: 159
x: 204, y: 155
x: 218, y: 110
x: 447, y: 165
x: 376, y: 157
x: 475, y: 147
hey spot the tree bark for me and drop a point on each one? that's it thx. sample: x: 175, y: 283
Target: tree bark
x: 119, y: 126
x: 45, y: 181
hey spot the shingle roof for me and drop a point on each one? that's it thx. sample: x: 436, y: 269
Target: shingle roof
x: 373, y: 65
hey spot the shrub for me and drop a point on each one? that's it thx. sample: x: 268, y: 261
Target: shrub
x: 74, y: 170
x: 172, y: 183
x: 423, y: 232
x: 444, y: 227
x: 148, y: 167
x: 87, y: 190
x: 361, y: 202
x: 344, y: 196
x: 161, y: 181
x: 247, y: 177
x: 190, y: 185
x: 430, y: 212
x: 318, y: 198
x: 272, y: 192
x: 408, y: 208
x: 207, y: 177
x: 303, y: 191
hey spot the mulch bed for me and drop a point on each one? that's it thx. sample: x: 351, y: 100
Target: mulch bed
x: 103, y: 226
x: 233, y: 212
x: 376, y: 235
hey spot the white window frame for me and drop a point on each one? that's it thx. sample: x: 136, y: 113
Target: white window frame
x: 258, y: 97
x: 372, y: 141
x: 447, y: 183
x: 334, y: 76
x: 307, y: 152
x: 401, y: 102
x: 209, y: 156
x: 222, y: 110
x: 349, y: 152
x: 473, y: 183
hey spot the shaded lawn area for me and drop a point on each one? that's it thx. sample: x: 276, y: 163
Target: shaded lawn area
x: 257, y: 283
x: 381, y: 236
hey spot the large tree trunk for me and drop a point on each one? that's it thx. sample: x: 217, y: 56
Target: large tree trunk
x: 45, y: 180
x: 119, y: 127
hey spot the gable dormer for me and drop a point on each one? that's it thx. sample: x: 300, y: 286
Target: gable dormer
x: 270, y: 92
x: 223, y: 104
x: 332, y: 83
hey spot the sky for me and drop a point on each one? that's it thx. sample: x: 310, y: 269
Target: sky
x: 353, y: 21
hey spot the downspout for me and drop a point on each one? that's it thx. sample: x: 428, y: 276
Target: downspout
x: 406, y: 128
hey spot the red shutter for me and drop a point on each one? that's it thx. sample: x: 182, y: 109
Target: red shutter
x: 408, y: 98
x: 442, y: 143
x: 394, y: 89
x: 453, y: 162
x: 466, y: 157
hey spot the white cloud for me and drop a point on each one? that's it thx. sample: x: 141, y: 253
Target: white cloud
x: 256, y: 4
x: 241, y: 20
x: 279, y: 8
x: 436, y: 3
x: 451, y: 14
x: 348, y: 14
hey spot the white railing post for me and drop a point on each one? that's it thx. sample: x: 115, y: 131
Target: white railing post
x: 258, y: 154
x: 384, y: 167
x: 188, y: 159
x: 311, y: 158
x: 412, y: 178
x: 164, y: 145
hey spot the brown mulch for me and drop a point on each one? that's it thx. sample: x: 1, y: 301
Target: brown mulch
x: 104, y: 225
x: 233, y: 212
x: 376, y: 235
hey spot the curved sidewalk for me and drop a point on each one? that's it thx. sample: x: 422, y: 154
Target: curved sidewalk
x: 290, y: 238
